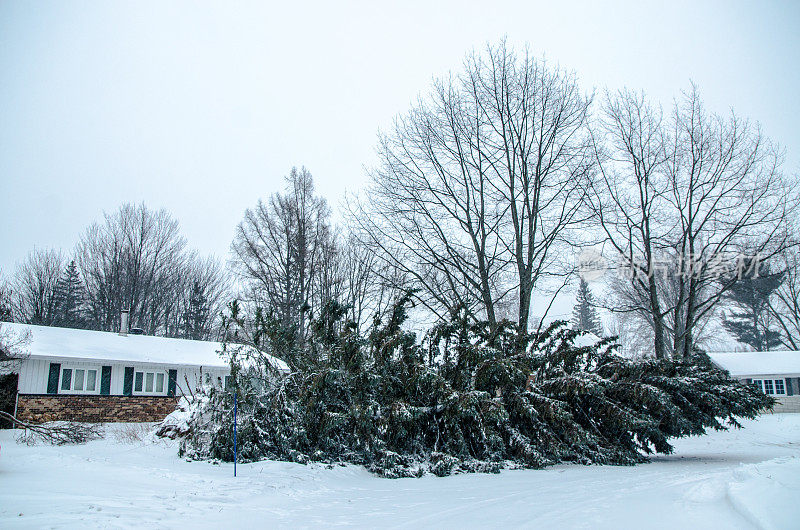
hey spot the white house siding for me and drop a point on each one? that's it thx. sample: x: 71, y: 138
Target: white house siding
x: 33, y: 374
x: 790, y: 402
x: 787, y: 404
x: 747, y: 366
x: 193, y: 375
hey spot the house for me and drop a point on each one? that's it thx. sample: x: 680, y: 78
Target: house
x: 776, y: 373
x: 97, y: 376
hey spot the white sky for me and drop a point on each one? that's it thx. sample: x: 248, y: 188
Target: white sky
x: 202, y: 108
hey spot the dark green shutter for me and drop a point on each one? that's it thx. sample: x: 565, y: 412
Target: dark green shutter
x: 172, y: 382
x: 127, y: 383
x: 52, y: 378
x: 105, y: 381
x: 789, y: 389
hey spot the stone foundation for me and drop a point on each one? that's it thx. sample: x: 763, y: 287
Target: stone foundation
x: 94, y: 409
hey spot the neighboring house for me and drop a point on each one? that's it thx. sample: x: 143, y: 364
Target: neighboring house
x: 96, y: 376
x: 776, y: 373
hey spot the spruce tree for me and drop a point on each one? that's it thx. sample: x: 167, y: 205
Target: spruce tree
x: 749, y: 295
x: 584, y: 314
x: 5, y: 303
x: 197, y: 313
x: 70, y: 299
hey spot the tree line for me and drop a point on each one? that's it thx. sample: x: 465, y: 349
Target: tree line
x: 483, y: 193
x: 136, y: 260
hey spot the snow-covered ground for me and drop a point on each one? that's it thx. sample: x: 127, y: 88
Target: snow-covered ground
x: 736, y: 479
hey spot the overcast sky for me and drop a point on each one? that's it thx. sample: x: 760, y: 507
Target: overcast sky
x: 201, y: 108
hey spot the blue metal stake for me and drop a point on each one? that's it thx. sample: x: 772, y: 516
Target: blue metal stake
x: 234, y: 432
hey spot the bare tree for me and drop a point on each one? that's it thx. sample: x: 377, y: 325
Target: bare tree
x: 278, y: 248
x: 631, y: 309
x: 480, y: 183
x: 263, y: 258
x: 699, y: 193
x: 132, y: 261
x: 784, y: 305
x: 330, y: 275
x: 34, y: 287
x: 627, y: 197
x: 362, y: 282
x: 731, y: 200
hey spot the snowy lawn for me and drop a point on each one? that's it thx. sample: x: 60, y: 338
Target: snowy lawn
x: 736, y: 479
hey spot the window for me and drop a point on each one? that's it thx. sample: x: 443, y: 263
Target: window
x: 66, y: 379
x: 150, y: 382
x: 79, y: 380
x: 773, y: 387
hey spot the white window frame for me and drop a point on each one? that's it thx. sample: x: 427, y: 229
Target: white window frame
x: 761, y: 384
x: 155, y: 372
x: 73, y: 369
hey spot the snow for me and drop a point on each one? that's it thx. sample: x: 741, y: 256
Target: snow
x: 177, y: 422
x: 758, y: 363
x: 586, y: 339
x: 734, y: 479
x: 52, y: 342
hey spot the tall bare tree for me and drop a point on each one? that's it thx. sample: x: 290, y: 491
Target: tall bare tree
x: 784, y: 304
x: 278, y: 249
x: 480, y: 182
x: 627, y: 200
x: 362, y: 282
x: 132, y: 261
x: 699, y: 193
x: 34, y: 287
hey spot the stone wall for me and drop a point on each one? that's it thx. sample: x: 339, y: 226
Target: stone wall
x: 94, y: 408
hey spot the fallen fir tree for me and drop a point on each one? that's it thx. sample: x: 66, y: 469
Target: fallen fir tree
x: 467, y: 398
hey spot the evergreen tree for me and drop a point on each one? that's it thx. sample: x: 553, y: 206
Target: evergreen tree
x: 461, y: 400
x: 584, y: 314
x: 749, y: 321
x: 5, y: 302
x: 70, y: 299
x: 196, y: 316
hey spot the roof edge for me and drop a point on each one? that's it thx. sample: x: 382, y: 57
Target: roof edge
x: 111, y: 360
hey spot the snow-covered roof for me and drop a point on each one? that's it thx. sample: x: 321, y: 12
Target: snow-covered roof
x: 52, y: 342
x: 758, y: 362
